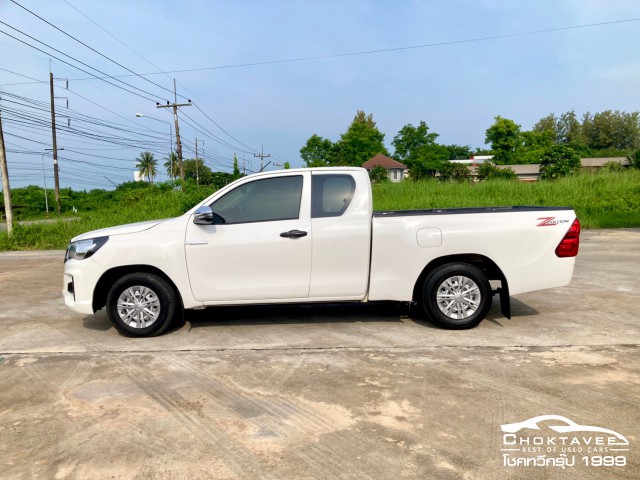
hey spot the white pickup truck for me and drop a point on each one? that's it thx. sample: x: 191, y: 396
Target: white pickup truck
x: 310, y: 235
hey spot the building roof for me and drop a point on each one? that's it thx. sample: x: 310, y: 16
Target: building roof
x: 382, y: 161
x: 601, y: 162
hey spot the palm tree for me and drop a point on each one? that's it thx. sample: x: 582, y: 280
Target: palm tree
x: 147, y: 166
x: 172, y: 165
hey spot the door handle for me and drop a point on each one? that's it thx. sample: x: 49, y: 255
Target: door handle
x: 293, y: 234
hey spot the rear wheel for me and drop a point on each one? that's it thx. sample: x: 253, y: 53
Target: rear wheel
x: 456, y: 295
x: 141, y: 305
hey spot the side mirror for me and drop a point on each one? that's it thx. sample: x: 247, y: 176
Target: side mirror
x: 205, y: 216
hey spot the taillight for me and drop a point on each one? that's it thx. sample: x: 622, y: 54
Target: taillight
x: 569, y: 245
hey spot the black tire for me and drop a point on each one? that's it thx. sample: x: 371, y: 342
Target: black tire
x: 460, y: 314
x: 155, y: 291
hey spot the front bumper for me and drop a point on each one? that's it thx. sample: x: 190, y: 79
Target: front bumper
x: 79, y: 281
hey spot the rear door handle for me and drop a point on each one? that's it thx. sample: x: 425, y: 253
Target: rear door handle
x: 293, y: 234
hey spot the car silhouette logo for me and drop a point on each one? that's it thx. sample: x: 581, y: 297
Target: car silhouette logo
x: 568, y: 427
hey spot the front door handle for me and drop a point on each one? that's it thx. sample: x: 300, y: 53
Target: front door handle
x: 293, y: 234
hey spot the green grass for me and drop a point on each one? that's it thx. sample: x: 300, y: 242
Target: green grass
x: 130, y: 207
x: 601, y: 200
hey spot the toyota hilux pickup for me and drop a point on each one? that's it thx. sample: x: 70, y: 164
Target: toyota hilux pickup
x: 311, y: 235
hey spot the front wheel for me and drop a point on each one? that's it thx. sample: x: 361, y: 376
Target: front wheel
x: 456, y: 295
x: 141, y: 305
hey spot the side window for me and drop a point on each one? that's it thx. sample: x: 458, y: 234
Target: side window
x: 331, y: 195
x: 261, y: 201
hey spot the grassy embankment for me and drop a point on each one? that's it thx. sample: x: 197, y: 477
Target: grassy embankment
x: 601, y: 200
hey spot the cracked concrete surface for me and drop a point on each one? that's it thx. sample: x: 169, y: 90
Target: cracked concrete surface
x: 307, y: 392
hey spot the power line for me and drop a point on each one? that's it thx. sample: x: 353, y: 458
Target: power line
x: 89, y: 47
x: 21, y: 75
x: 157, y: 68
x: 76, y: 60
x: 391, y: 49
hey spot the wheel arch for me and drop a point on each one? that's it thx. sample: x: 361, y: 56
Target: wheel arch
x: 485, y: 264
x: 109, y: 277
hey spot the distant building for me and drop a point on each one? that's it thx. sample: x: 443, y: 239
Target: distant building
x: 594, y: 163
x: 394, y: 169
x: 525, y: 173
x: 531, y: 172
x: 474, y: 160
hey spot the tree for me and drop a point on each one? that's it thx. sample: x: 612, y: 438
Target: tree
x: 612, y: 129
x: 147, y: 166
x: 286, y: 165
x: 359, y: 143
x: 172, y: 166
x: 504, y: 137
x: 458, y: 152
x: 569, y: 130
x: 220, y: 179
x: 361, y: 117
x: 548, y: 125
x: 533, y: 145
x: 559, y: 161
x: 236, y: 168
x: 317, y: 152
x: 378, y: 174
x: 202, y: 174
x: 416, y: 147
x: 410, y: 140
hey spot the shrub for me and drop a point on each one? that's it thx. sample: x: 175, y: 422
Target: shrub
x: 456, y: 172
x: 378, y: 174
x: 634, y: 158
x: 559, y: 161
x: 488, y: 171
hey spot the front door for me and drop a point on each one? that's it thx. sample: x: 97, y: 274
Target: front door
x: 261, y: 250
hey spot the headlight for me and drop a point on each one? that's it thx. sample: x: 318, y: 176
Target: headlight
x: 84, y: 248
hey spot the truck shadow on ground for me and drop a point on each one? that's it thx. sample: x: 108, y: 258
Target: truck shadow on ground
x: 298, y: 314
x: 387, y: 312
x: 374, y: 312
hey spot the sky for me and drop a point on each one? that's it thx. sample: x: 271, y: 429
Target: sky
x: 247, y: 67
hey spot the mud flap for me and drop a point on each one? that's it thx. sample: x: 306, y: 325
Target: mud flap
x: 505, y: 300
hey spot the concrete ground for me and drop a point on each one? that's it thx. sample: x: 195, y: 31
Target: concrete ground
x: 307, y: 392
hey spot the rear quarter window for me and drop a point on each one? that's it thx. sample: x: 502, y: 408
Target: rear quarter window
x: 331, y: 194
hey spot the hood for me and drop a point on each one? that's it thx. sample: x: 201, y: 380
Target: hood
x: 119, y: 230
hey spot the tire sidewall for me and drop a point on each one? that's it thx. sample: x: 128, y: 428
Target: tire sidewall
x: 439, y: 275
x: 160, y: 287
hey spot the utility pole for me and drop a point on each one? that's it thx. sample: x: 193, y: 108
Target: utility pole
x: 44, y: 180
x: 197, y: 174
x: 175, y: 106
x: 262, y: 156
x: 4, y: 171
x: 56, y: 179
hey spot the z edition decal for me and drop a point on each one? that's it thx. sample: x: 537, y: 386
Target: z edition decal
x: 556, y: 441
x: 550, y: 221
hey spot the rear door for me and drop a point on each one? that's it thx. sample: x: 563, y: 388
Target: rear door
x: 341, y: 224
